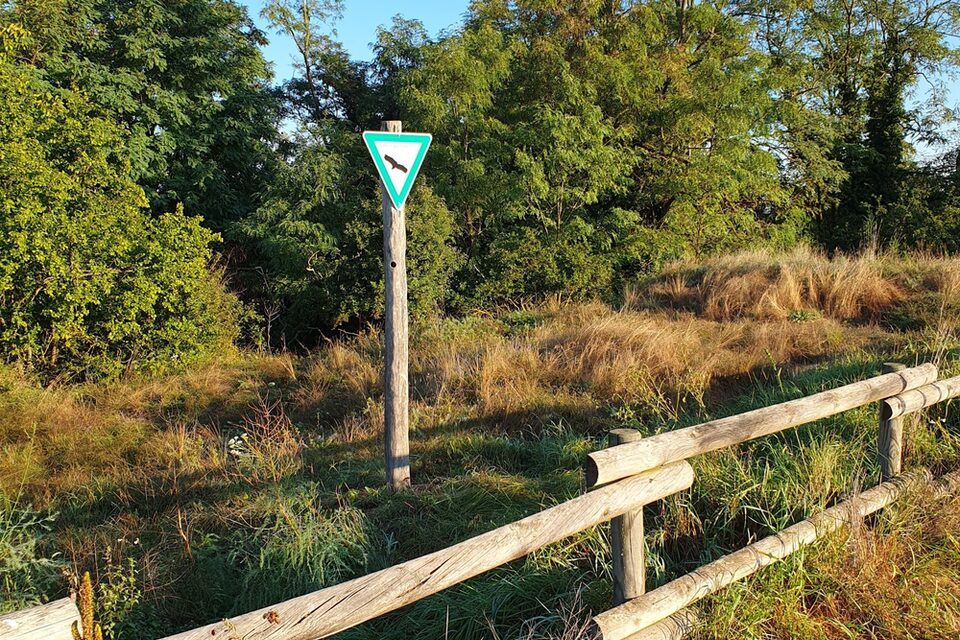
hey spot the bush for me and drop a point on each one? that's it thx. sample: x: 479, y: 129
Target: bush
x: 319, y: 240
x: 90, y: 282
x: 120, y: 605
x: 25, y: 576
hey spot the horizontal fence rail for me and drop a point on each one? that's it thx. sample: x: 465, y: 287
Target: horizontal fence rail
x: 328, y: 611
x: 631, y: 473
x: 920, y: 398
x: 49, y: 621
x: 676, y: 626
x: 625, y: 460
x: 621, y: 623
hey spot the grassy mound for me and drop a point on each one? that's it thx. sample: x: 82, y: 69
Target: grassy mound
x: 907, y: 292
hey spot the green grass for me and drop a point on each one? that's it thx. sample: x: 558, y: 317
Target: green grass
x: 257, y: 478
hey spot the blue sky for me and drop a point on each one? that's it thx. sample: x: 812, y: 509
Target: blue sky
x: 358, y: 27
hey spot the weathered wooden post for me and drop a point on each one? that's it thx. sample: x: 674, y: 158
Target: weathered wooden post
x: 626, y: 540
x: 396, y: 383
x: 398, y: 157
x: 890, y: 436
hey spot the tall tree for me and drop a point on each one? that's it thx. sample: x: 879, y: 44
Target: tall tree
x: 185, y: 77
x: 866, y: 69
x: 579, y: 142
x: 90, y: 283
x: 318, y: 235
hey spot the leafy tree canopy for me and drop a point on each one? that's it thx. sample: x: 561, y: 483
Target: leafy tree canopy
x: 187, y: 81
x: 90, y: 282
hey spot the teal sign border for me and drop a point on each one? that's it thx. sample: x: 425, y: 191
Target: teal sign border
x: 371, y: 137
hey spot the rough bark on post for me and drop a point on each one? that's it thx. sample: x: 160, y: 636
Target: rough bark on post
x: 626, y: 540
x: 890, y: 437
x: 396, y: 386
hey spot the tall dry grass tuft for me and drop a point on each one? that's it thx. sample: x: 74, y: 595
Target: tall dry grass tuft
x: 635, y: 356
x: 767, y: 286
x: 579, y: 356
x: 900, y: 575
x: 571, y: 621
x: 55, y: 439
x: 335, y: 381
x: 269, y: 448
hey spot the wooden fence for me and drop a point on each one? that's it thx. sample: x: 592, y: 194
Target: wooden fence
x: 629, y: 474
x: 50, y: 621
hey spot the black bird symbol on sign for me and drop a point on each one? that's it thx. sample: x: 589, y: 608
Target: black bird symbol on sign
x: 396, y: 165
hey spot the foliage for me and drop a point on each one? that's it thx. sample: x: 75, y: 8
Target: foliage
x: 319, y: 235
x: 301, y: 547
x: 856, y: 67
x: 90, y: 283
x: 184, y: 78
x: 120, y: 605
x: 26, y: 577
x: 577, y: 144
x: 565, y: 139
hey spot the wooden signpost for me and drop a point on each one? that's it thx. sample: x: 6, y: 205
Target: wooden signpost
x: 398, y: 158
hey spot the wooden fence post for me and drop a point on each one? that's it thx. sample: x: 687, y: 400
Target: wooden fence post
x: 339, y: 607
x: 396, y: 385
x: 626, y: 540
x: 890, y: 436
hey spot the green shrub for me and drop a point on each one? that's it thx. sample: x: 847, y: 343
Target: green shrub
x: 25, y: 577
x: 120, y: 606
x: 319, y: 240
x: 89, y: 281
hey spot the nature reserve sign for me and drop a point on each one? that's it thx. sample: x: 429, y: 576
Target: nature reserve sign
x: 398, y: 157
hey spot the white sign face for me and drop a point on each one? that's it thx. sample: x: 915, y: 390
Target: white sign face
x: 398, y: 157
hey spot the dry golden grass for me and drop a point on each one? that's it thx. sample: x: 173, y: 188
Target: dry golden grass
x: 268, y: 448
x: 501, y: 402
x: 894, y: 576
x: 563, y: 367
x: 338, y: 377
x: 56, y: 439
x: 901, y: 579
x: 767, y: 286
x: 588, y: 353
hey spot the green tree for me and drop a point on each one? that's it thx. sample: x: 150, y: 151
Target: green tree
x: 311, y: 93
x: 187, y: 80
x: 853, y: 66
x: 581, y: 142
x: 90, y: 283
x: 319, y: 238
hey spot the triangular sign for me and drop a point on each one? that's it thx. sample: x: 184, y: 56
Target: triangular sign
x: 398, y: 157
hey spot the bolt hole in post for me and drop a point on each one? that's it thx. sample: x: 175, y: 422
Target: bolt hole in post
x: 396, y: 439
x: 397, y: 157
